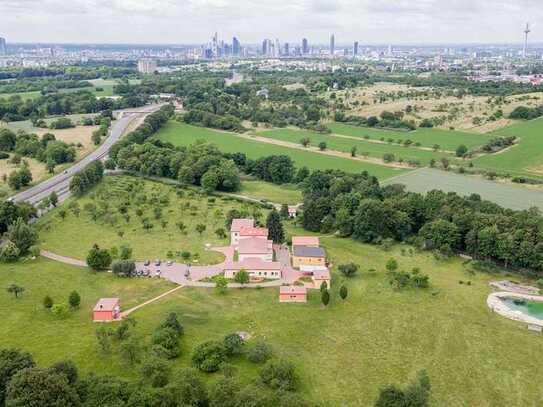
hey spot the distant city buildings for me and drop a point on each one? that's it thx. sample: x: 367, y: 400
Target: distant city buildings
x: 3, y: 46
x: 332, y: 44
x: 236, y: 47
x: 305, y: 47
x: 355, y: 48
x: 147, y: 66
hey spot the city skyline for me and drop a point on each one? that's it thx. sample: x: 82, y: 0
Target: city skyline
x: 135, y: 21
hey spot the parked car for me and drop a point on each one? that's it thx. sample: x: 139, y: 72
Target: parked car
x: 147, y: 263
x: 157, y: 273
x: 169, y: 263
x: 158, y: 262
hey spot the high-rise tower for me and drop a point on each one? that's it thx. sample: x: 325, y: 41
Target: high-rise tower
x: 526, y: 32
x: 305, y: 46
x: 332, y: 45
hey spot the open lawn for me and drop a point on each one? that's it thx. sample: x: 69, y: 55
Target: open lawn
x: 508, y: 196
x: 100, y: 90
x: 526, y: 157
x: 74, y: 235
x: 343, y: 353
x: 364, y: 148
x: 446, y: 139
x: 183, y: 134
x: 283, y: 194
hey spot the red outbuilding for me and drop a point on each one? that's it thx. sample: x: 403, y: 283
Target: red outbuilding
x: 292, y: 293
x: 107, y: 309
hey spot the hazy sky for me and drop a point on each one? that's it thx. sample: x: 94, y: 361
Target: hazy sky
x: 193, y: 21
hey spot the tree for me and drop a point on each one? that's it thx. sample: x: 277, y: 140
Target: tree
x: 325, y: 297
x: 66, y: 368
x: 224, y: 393
x: 200, y: 228
x: 221, y: 233
x: 353, y: 151
x: 59, y: 310
x: 22, y: 235
x: 275, y: 227
x: 172, y: 322
x: 305, y: 141
x: 123, y: 267
x: 98, y: 259
x: 343, y: 292
x: 461, y: 150
x: 322, y: 146
x: 279, y: 375
x: 11, y: 362
x: 165, y: 343
x: 74, y: 299
x: 233, y: 344
x: 260, y: 352
x: 131, y: 350
x: 53, y: 198
x: 348, y: 270
x: 417, y: 394
x: 47, y: 302
x: 284, y: 211
x: 103, y: 336
x: 186, y: 389
x: 155, y: 371
x: 208, y: 356
x: 40, y: 387
x: 9, y: 252
x: 241, y: 277
x: 15, y: 289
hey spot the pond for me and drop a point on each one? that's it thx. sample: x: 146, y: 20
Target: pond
x: 531, y: 308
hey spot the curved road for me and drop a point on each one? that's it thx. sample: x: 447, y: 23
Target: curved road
x: 61, y: 183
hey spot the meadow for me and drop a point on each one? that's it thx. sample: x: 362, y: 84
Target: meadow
x: 282, y: 194
x: 363, y: 148
x: 509, y: 196
x: 343, y: 353
x: 181, y: 134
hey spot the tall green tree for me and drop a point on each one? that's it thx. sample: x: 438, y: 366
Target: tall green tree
x: 275, y: 227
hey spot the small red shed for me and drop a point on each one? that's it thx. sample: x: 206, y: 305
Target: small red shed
x: 107, y: 309
x: 292, y: 293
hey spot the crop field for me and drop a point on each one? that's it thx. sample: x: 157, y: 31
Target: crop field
x: 509, y: 196
x: 446, y: 139
x: 343, y: 353
x: 364, y: 148
x: 183, y: 134
x: 524, y: 158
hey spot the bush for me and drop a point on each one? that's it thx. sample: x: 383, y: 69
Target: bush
x: 172, y: 322
x: 209, y: 356
x: 348, y: 270
x: 233, y: 344
x: 155, y: 371
x: 47, y: 302
x: 260, y: 352
x: 279, y: 375
x: 74, y: 299
x: 124, y: 268
x: 166, y: 343
x: 59, y: 310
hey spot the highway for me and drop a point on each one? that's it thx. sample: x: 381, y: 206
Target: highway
x: 60, y: 183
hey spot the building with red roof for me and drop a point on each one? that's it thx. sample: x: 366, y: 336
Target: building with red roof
x: 257, y: 268
x: 235, y: 229
x: 292, y: 293
x: 106, y: 310
x: 255, y: 247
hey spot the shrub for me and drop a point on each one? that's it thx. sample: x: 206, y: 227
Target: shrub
x: 74, y: 299
x: 209, y: 356
x: 279, y: 375
x: 348, y: 270
x: 260, y: 352
x: 233, y: 344
x: 47, y: 302
x: 59, y: 310
x: 166, y: 343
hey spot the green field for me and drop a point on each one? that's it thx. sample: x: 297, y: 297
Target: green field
x: 524, y: 158
x: 343, y: 353
x: 427, y: 137
x: 27, y: 126
x: 508, y: 196
x: 73, y: 235
x: 375, y: 150
x: 106, y: 90
x: 283, y: 194
x: 183, y: 134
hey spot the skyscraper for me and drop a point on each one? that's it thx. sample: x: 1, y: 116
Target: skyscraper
x: 305, y: 46
x: 332, y: 45
x: 286, y: 49
x: 236, y: 47
x: 3, y: 46
x: 265, y: 47
x: 277, y: 49
x: 215, y: 45
x: 355, y: 48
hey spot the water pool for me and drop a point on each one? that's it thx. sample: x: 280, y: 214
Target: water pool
x: 531, y: 308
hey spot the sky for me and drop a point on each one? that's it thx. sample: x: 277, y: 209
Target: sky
x: 194, y: 21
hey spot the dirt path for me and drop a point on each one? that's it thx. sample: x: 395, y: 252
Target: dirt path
x: 63, y: 259
x: 131, y: 310
x: 332, y: 153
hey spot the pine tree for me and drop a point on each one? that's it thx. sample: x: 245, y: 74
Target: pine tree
x: 275, y: 227
x: 343, y: 292
x: 325, y: 297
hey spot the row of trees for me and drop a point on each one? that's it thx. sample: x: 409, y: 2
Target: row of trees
x: 86, y: 179
x: 356, y: 205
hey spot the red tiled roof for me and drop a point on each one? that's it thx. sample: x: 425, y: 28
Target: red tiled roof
x: 252, y: 264
x: 305, y: 240
x: 321, y: 275
x: 106, y: 304
x: 238, y: 224
x: 292, y: 289
x: 253, y: 231
x: 255, y: 245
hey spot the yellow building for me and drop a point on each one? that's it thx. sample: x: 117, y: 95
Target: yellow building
x: 308, y: 256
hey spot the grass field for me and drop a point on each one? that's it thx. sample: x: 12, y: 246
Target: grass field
x: 343, y: 353
x: 508, y: 196
x: 375, y: 150
x: 182, y: 134
x: 106, y: 90
x: 75, y: 235
x: 283, y: 194
x: 524, y: 158
x: 446, y: 139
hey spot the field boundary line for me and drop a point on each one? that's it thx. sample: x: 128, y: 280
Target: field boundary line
x: 137, y: 307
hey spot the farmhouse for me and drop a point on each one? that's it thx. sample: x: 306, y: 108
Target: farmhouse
x: 255, y: 247
x: 292, y: 293
x: 106, y: 310
x: 308, y: 255
x: 235, y: 229
x: 257, y: 268
x: 318, y: 274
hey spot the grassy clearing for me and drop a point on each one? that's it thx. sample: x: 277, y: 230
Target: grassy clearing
x: 287, y: 194
x: 524, y: 158
x: 446, y: 139
x: 182, y: 134
x: 99, y: 90
x: 343, y: 354
x: 74, y: 236
x: 375, y: 150
x: 508, y: 196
